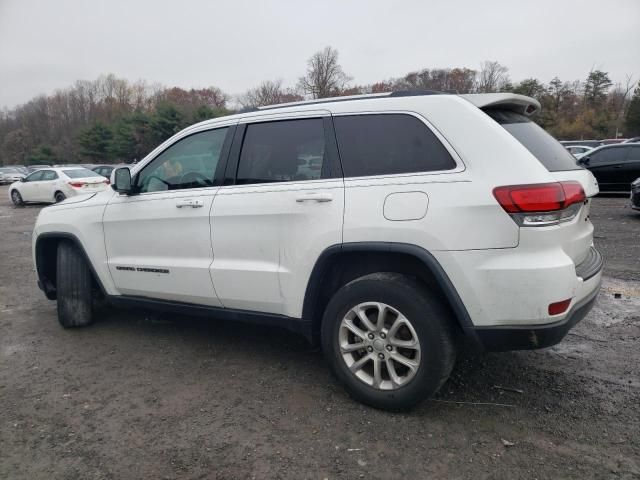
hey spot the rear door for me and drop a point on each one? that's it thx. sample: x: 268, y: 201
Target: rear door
x: 158, y: 241
x: 46, y: 186
x: 282, y: 207
x: 607, y: 165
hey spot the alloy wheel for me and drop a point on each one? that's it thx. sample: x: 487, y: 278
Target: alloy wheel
x: 379, y: 345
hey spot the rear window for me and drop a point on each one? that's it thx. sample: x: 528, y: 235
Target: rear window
x: 388, y: 144
x: 543, y: 146
x: 80, y: 173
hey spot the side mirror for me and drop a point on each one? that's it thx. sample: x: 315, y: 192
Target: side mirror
x: 22, y: 179
x: 121, y: 180
x: 583, y: 161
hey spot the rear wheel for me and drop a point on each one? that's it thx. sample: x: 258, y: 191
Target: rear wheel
x: 388, y: 340
x: 74, y: 285
x: 59, y: 196
x: 16, y: 198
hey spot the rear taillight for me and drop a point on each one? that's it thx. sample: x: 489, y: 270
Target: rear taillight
x: 541, y: 204
x: 77, y: 184
x: 559, y: 307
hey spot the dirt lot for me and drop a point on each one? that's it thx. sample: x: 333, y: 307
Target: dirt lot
x: 139, y: 395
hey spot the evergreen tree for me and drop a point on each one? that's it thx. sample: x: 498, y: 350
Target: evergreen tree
x: 94, y: 142
x: 42, y: 155
x: 166, y: 122
x: 632, y: 119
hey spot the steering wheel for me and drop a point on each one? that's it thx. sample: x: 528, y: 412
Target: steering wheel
x: 194, y: 176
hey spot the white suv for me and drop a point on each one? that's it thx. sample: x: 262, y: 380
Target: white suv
x: 390, y: 228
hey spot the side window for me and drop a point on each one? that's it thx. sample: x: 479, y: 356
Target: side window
x: 35, y: 176
x: 387, y: 144
x: 49, y: 175
x: 608, y: 155
x: 634, y: 153
x: 282, y: 151
x: 189, y: 163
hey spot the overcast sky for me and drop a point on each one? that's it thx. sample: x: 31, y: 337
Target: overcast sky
x: 47, y: 44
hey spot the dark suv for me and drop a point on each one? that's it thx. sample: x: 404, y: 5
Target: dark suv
x: 614, y: 166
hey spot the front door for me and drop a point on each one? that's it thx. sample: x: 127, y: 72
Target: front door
x: 284, y: 208
x: 30, y: 188
x: 159, y: 239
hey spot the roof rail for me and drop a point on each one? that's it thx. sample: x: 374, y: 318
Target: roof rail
x: 367, y: 96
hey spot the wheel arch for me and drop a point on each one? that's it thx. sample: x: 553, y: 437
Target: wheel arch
x: 46, y: 250
x: 339, y: 264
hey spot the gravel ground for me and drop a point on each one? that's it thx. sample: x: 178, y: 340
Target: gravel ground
x: 140, y: 395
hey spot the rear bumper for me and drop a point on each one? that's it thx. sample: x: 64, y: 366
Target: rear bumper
x: 529, y: 337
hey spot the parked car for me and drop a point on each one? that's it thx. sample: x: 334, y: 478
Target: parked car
x: 632, y: 140
x: 635, y: 194
x: 53, y: 185
x: 104, y: 170
x: 612, y: 141
x: 586, y: 143
x: 3, y: 181
x: 578, y: 150
x: 11, y: 174
x: 614, y: 166
x: 389, y: 255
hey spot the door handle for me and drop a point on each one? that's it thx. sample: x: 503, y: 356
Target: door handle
x: 189, y: 203
x: 314, y: 197
x: 617, y: 166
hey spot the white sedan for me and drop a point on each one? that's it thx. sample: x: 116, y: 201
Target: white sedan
x: 52, y: 185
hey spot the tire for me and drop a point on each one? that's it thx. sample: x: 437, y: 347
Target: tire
x: 16, y: 198
x: 59, y: 196
x: 74, y: 284
x: 429, y: 323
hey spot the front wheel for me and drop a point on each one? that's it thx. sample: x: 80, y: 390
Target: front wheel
x: 74, y: 287
x: 16, y: 198
x: 388, y: 340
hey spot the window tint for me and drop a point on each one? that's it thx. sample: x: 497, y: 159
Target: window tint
x: 634, y: 153
x: 49, y: 175
x: 80, y: 173
x: 388, y: 144
x: 189, y: 163
x: 290, y: 150
x: 35, y: 176
x: 542, y: 145
x: 608, y: 155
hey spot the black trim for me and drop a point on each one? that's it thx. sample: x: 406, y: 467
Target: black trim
x: 45, y: 284
x: 231, y: 167
x: 296, y: 325
x: 590, y: 266
x: 530, y: 337
x: 320, y: 269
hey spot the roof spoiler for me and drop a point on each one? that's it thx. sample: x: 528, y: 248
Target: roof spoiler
x: 509, y: 101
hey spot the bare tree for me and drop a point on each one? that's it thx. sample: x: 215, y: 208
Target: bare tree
x: 619, y: 100
x: 493, y: 77
x: 325, y: 76
x: 268, y: 92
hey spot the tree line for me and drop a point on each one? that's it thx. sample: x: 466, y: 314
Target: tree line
x: 111, y: 120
